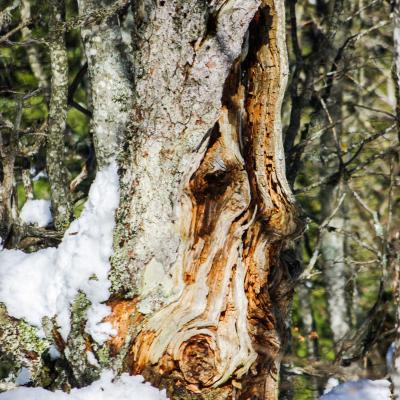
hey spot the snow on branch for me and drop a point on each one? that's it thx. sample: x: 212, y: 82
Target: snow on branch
x: 46, y: 282
x: 124, y: 388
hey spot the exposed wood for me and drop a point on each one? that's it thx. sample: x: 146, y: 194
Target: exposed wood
x: 205, y: 206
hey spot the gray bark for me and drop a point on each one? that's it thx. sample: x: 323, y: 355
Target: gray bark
x: 33, y: 54
x: 110, y: 81
x: 334, y: 266
x: 308, y: 321
x: 57, y: 171
x: 333, y: 255
x: 8, y: 150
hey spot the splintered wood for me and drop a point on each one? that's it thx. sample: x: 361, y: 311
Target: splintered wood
x: 222, y: 333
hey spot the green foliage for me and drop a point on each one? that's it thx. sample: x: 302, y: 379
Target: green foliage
x: 78, y: 123
x: 78, y: 207
x: 41, y: 189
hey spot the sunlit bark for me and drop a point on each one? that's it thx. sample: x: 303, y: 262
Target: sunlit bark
x: 205, y: 208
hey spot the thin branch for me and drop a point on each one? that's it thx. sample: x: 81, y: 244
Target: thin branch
x: 348, y: 173
x: 392, y: 116
x: 74, y: 86
x: 18, y: 28
x: 94, y: 16
x: 334, y: 131
x: 365, y: 141
x: 307, y: 273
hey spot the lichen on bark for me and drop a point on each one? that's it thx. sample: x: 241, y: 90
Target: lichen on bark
x: 21, y: 347
x: 55, y: 159
x: 205, y: 207
x: 110, y: 81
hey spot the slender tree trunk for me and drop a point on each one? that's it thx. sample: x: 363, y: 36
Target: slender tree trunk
x: 57, y: 171
x: 33, y: 53
x: 8, y: 149
x: 308, y: 322
x: 205, y: 208
x: 110, y: 83
x: 334, y: 266
x: 333, y: 241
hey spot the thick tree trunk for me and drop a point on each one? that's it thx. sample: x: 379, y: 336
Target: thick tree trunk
x: 205, y: 208
x: 200, y: 292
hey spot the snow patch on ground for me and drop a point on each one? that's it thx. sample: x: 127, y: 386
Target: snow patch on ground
x: 124, y: 388
x: 45, y: 283
x: 364, y: 389
x: 24, y: 377
x: 36, y: 212
x: 332, y: 382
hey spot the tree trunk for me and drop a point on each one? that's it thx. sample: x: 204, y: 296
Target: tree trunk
x: 110, y: 84
x: 202, y: 272
x: 205, y: 207
x: 55, y: 158
x: 334, y: 265
x: 333, y: 244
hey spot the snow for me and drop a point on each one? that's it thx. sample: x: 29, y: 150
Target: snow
x: 40, y: 175
x: 36, y: 212
x: 92, y: 359
x: 124, y: 388
x: 390, y: 356
x: 24, y: 377
x: 54, y: 353
x: 364, y: 389
x: 46, y: 282
x: 332, y: 382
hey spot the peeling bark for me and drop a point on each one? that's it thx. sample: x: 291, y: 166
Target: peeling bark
x: 205, y: 207
x: 200, y: 287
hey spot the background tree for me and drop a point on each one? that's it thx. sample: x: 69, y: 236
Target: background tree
x: 341, y: 136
